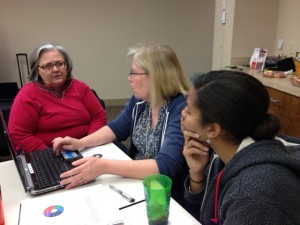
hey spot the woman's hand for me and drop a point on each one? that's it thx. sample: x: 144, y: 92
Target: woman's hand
x: 86, y: 170
x: 66, y: 143
x: 196, y: 155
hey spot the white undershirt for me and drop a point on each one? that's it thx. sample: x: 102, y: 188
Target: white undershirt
x: 248, y: 140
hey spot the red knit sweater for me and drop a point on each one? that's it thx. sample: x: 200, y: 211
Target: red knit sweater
x: 37, y: 116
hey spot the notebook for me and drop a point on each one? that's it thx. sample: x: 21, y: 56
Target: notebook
x: 39, y: 170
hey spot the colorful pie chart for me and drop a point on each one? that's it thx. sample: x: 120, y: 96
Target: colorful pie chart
x: 54, y: 210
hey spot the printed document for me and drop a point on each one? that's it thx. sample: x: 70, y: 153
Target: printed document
x: 83, y: 206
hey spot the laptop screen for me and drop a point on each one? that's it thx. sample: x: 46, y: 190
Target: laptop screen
x: 11, y: 148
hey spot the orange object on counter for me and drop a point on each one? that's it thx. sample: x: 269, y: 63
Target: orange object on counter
x: 2, y: 221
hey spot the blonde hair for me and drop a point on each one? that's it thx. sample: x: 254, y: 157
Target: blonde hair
x: 165, y: 72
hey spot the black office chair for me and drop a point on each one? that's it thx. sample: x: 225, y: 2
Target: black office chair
x: 120, y: 145
x: 8, y: 90
x: 100, y: 99
x: 4, y: 148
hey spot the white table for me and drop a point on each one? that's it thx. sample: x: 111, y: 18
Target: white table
x: 13, y: 191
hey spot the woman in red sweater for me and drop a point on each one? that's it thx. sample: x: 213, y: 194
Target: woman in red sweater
x: 53, y: 104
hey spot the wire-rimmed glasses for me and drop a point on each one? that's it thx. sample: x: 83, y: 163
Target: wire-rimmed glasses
x: 131, y: 73
x: 49, y: 66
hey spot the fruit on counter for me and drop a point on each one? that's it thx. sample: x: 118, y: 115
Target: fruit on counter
x: 295, y: 80
x: 272, y: 74
x: 268, y: 73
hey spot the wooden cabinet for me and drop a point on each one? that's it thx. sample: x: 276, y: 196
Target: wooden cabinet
x: 287, y: 108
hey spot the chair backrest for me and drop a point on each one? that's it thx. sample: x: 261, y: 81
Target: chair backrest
x: 7, y: 137
x: 8, y: 90
x: 4, y: 147
x: 100, y: 99
x: 5, y: 106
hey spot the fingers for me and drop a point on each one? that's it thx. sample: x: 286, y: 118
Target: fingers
x: 62, y: 143
x: 56, y: 145
x: 191, y: 134
x: 76, y: 176
x: 74, y: 181
x: 194, y: 152
x: 78, y: 162
x: 195, y: 145
x: 196, y: 157
x: 193, y: 140
x: 188, y: 135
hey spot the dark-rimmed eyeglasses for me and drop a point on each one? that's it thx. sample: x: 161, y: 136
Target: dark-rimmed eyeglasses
x: 131, y: 73
x: 50, y: 66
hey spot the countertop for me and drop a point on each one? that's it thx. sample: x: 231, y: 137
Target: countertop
x: 281, y: 84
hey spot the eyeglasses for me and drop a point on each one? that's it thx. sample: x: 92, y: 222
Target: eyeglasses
x: 50, y: 66
x: 131, y: 73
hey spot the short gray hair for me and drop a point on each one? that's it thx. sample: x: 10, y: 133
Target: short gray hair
x: 44, y: 47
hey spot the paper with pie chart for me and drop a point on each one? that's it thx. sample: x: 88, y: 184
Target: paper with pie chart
x: 79, y: 206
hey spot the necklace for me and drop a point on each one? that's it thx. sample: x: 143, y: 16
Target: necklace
x: 58, y: 94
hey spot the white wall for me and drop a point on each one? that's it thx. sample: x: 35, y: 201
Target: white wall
x: 254, y: 26
x: 222, y: 48
x: 249, y: 24
x: 98, y: 33
x: 288, y: 27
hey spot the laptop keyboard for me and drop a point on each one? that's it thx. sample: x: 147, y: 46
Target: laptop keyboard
x: 47, y: 167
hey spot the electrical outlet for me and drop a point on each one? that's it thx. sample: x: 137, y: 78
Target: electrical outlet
x: 279, y: 44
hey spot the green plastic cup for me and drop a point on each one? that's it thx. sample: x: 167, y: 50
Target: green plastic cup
x: 157, y: 190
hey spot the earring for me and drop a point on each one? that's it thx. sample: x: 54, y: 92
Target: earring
x: 208, y: 141
x: 183, y: 114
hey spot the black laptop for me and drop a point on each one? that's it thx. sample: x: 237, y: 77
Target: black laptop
x: 40, y: 170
